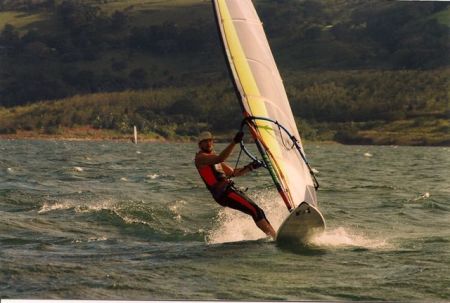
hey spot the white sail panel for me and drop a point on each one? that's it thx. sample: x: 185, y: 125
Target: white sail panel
x: 262, y: 93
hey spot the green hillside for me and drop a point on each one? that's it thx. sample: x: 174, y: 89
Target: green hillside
x: 354, y: 70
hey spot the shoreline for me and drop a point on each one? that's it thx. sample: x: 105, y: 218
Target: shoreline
x: 92, y: 134
x: 147, y: 139
x: 79, y: 134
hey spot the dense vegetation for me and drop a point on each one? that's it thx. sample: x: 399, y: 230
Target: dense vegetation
x: 351, y: 68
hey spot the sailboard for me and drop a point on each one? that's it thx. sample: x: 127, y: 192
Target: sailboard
x: 268, y: 116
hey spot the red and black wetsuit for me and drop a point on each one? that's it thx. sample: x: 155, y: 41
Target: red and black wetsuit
x: 226, y: 194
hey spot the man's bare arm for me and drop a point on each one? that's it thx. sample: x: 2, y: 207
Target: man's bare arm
x: 205, y: 159
x: 230, y: 172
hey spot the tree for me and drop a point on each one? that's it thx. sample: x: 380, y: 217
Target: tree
x: 10, y: 39
x: 119, y: 20
x: 138, y: 77
x: 37, y: 50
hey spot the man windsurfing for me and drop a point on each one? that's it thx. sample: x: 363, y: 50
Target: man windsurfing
x: 216, y: 174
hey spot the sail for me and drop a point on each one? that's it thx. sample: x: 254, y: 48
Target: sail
x: 262, y: 94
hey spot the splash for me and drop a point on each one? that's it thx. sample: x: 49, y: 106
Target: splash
x: 341, y: 237
x: 422, y: 196
x: 153, y: 176
x: 175, y: 209
x: 233, y: 226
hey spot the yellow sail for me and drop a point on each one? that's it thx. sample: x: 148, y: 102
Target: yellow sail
x: 262, y: 94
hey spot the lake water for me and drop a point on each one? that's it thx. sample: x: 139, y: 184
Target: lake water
x: 107, y: 220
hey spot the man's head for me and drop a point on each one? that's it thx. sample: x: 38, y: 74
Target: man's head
x: 205, y: 141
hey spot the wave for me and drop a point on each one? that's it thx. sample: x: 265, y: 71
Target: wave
x: 75, y: 205
x: 166, y: 220
x: 426, y: 201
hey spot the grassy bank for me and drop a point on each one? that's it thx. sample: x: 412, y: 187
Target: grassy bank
x: 346, y: 107
x: 413, y: 133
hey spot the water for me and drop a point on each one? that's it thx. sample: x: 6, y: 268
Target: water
x: 105, y: 220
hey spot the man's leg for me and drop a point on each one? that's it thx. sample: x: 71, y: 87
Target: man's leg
x: 265, y: 226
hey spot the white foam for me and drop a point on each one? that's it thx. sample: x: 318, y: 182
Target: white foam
x: 78, y: 169
x: 91, y: 239
x: 48, y: 207
x: 129, y: 220
x: 341, y: 237
x: 175, y: 212
x: 79, y: 208
x: 422, y: 196
x: 426, y: 195
x: 97, y: 206
x: 175, y: 209
x: 153, y: 176
x: 367, y: 155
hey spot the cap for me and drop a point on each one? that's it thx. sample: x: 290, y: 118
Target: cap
x: 204, y: 136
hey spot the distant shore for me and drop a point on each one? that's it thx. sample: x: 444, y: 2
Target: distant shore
x: 80, y: 135
x: 92, y: 134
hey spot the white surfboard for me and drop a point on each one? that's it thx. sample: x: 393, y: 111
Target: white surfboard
x: 303, y: 222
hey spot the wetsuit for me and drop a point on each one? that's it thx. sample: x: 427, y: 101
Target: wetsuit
x: 226, y: 194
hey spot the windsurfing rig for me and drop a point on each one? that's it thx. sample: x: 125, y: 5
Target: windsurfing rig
x: 248, y: 121
x: 263, y: 100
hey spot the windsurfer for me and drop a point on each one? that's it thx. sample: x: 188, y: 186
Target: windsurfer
x: 216, y: 174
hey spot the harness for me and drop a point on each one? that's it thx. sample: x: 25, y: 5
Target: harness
x: 215, y: 180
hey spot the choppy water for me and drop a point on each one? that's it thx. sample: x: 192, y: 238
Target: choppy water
x: 105, y: 220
